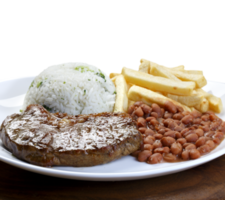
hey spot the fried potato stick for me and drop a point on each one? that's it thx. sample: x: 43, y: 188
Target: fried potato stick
x: 215, y: 103
x: 137, y: 93
x: 144, y: 67
x: 161, y: 71
x: 158, y: 83
x: 121, y: 104
x: 191, y: 100
x: 197, y: 78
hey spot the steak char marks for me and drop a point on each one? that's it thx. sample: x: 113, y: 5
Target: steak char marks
x: 47, y: 139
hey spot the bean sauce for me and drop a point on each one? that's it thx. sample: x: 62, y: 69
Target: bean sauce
x: 172, y: 134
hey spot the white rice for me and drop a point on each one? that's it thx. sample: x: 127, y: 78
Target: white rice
x: 73, y: 88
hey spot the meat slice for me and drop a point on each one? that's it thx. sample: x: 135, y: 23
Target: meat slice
x: 47, y: 139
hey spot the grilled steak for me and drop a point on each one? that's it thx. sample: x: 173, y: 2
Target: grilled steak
x: 47, y: 139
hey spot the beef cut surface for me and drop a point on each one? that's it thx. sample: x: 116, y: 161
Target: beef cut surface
x: 47, y: 139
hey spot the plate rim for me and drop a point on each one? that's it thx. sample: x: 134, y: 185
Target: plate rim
x: 117, y: 176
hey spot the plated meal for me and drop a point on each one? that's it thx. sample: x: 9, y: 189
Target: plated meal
x: 75, y: 115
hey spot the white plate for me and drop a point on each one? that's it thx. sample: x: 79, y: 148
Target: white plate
x: 12, y: 93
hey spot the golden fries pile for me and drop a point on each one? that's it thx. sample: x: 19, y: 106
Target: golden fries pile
x: 154, y: 83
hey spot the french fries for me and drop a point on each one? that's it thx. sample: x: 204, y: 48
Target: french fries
x: 161, y: 71
x: 191, y: 100
x: 197, y: 78
x: 158, y: 83
x: 144, y: 64
x: 203, y: 106
x: 112, y: 75
x: 215, y: 103
x: 137, y: 93
x: 121, y: 104
x: 178, y: 66
x: 192, y: 71
x: 154, y: 83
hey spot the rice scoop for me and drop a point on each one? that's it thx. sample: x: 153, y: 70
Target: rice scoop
x: 72, y: 88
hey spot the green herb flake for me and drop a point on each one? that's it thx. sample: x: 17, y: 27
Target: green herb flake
x: 89, y: 79
x: 47, y: 108
x: 62, y: 98
x: 39, y: 84
x: 21, y: 111
x: 84, y: 91
x: 64, y: 82
x: 83, y: 69
x: 32, y: 84
x: 100, y: 74
x: 114, y: 92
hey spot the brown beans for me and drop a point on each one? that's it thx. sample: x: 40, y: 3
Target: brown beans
x: 167, y: 141
x: 187, y: 119
x: 141, y: 122
x: 155, y: 158
x: 148, y: 119
x: 131, y: 109
x: 142, y: 129
x: 214, y: 126
x: 139, y: 112
x: 205, y: 128
x: 161, y: 131
x: 210, y: 133
x: 162, y: 111
x: 176, y: 148
x: 178, y: 135
x: 154, y: 122
x: 211, y: 144
x: 169, y: 106
x: 149, y: 140
x: 138, y: 103
x: 149, y: 132
x: 190, y: 146
x: 146, y: 109
x: 158, y: 136
x: 143, y: 156
x: 154, y: 114
x: 196, y: 114
x: 201, y: 141
x: 157, y: 144
x: 193, y: 137
x: 169, y: 157
x: 178, y: 128
x: 188, y: 133
x: 156, y: 109
x: 162, y: 150
x: 197, y: 121
x: 172, y: 125
x: 185, y: 155
x: 218, y: 135
x: 167, y: 115
x: 184, y: 131
x: 178, y: 116
x: 170, y: 133
x: 181, y: 140
x: 194, y: 154
x: 216, y: 141
x: 222, y: 127
x: 204, y: 149
x: 167, y: 121
x: 199, y: 132
x: 205, y: 117
x: 148, y: 147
